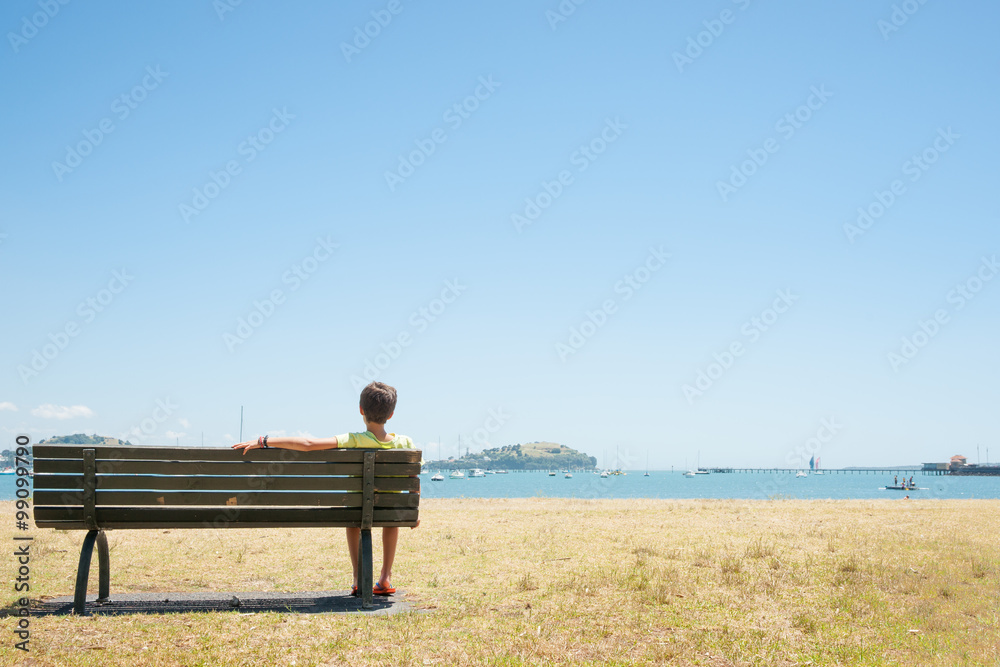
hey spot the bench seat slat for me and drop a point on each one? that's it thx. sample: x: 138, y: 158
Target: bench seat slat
x: 216, y: 517
x: 146, y: 452
x: 44, y: 481
x: 223, y: 499
x: 246, y: 467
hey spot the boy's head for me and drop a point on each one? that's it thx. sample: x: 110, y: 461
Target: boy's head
x: 378, y: 401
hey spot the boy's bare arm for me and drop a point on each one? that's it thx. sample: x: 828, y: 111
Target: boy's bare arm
x: 298, y: 444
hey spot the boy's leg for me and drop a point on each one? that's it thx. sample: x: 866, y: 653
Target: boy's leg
x: 390, y: 536
x: 353, y: 542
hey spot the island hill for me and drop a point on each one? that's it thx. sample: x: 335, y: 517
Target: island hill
x: 82, y: 439
x: 529, y: 456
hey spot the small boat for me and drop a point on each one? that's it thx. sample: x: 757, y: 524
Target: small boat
x: 604, y: 474
x: 476, y: 472
x: 689, y: 473
x: 701, y: 471
x: 456, y: 474
x: 901, y: 487
x: 7, y: 471
x: 552, y: 473
x: 801, y: 473
x: 501, y: 472
x: 568, y: 475
x: 437, y: 478
x: 817, y: 472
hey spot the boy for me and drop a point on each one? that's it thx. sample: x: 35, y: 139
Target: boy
x: 378, y: 402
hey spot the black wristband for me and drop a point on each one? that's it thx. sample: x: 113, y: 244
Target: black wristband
x: 265, y: 443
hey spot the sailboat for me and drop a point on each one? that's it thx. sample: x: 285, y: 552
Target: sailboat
x: 699, y: 470
x: 815, y: 466
x: 647, y: 465
x: 437, y: 478
x: 689, y: 473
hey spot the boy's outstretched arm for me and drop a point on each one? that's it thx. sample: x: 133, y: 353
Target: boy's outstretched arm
x: 298, y: 444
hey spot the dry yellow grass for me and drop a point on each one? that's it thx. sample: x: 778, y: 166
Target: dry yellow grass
x: 556, y: 581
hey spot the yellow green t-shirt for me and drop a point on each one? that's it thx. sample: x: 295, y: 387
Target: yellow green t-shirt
x: 367, y: 440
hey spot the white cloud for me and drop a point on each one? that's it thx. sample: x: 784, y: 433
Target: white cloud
x: 183, y: 422
x: 50, y: 411
x: 174, y: 434
x: 6, y: 405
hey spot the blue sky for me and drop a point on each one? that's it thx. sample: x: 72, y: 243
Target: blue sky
x: 549, y: 229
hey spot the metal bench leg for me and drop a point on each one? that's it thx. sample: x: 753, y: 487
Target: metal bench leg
x: 104, y: 571
x: 83, y: 572
x: 365, y: 581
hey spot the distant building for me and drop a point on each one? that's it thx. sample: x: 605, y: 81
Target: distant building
x: 959, y: 465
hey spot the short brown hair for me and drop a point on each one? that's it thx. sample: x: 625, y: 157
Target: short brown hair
x: 378, y: 400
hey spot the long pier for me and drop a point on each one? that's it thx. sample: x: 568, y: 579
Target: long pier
x: 836, y: 471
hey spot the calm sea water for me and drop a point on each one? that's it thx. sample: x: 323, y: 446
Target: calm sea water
x: 675, y: 485
x: 715, y: 485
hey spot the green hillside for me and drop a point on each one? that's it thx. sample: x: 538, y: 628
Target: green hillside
x: 83, y: 439
x: 529, y: 456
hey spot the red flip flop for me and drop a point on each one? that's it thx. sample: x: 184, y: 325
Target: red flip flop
x: 355, y: 592
x: 383, y: 590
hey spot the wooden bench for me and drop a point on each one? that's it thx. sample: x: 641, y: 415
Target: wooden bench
x: 101, y: 488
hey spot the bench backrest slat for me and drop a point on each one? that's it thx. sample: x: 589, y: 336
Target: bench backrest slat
x: 247, y: 467
x: 148, y: 453
x: 223, y: 483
